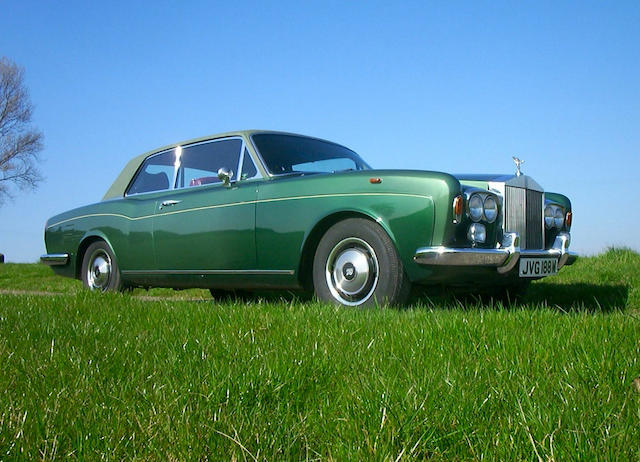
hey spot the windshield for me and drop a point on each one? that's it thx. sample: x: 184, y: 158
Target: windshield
x: 291, y: 154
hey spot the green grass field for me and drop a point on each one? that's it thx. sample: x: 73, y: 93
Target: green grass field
x: 175, y: 375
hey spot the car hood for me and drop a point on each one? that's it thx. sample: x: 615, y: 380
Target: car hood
x: 485, y: 180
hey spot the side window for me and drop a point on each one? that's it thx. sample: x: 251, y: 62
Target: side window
x: 199, y: 164
x: 156, y: 174
x: 248, y: 167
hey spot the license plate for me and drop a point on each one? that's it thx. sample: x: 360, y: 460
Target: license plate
x: 537, y: 267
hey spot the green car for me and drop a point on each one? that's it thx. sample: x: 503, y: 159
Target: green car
x: 272, y: 210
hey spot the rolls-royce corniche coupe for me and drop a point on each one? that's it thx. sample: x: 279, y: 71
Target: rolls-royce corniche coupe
x: 263, y: 209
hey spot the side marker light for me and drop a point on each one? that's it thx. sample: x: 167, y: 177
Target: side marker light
x: 457, y: 209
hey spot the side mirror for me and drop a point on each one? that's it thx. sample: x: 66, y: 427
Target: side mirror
x: 225, y: 175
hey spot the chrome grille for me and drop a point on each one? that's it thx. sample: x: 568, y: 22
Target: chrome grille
x: 523, y: 214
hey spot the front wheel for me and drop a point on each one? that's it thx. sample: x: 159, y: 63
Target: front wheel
x: 100, y: 270
x: 356, y: 264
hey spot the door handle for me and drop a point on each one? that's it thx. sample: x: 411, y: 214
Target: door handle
x: 168, y: 203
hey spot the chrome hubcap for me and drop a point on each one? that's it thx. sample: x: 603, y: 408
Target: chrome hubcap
x: 99, y: 270
x: 352, y: 271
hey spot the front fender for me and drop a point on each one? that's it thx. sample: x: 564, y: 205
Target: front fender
x: 87, y: 239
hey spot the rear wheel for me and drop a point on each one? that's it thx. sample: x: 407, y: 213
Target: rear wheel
x: 356, y: 264
x: 100, y: 270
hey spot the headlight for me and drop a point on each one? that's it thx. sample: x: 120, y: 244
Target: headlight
x: 559, y: 218
x: 490, y: 209
x: 553, y: 216
x: 475, y: 207
x: 548, y: 216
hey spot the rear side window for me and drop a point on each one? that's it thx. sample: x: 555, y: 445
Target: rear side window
x: 199, y: 164
x: 156, y: 174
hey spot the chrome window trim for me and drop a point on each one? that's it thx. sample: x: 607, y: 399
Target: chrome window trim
x: 259, y: 156
x: 175, y: 169
x: 257, y: 159
x: 258, y: 174
x: 199, y: 143
x: 240, y: 160
x: 135, y: 175
x: 176, y: 165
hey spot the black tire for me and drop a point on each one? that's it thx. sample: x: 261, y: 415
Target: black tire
x: 356, y: 264
x: 100, y: 270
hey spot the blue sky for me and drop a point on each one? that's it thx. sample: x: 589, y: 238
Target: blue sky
x: 451, y: 86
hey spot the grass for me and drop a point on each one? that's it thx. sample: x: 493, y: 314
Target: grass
x: 178, y: 376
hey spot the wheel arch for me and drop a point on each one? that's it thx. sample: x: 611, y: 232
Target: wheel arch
x: 312, y: 239
x: 85, y: 242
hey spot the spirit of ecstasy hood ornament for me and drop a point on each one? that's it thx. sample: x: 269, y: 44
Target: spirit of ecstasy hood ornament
x: 518, y: 164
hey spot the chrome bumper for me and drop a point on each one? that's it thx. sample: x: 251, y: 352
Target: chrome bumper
x: 503, y: 258
x: 53, y: 259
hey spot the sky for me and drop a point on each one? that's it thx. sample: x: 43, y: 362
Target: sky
x: 452, y: 86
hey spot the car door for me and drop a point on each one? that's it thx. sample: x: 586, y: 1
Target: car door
x: 204, y: 225
x: 152, y: 181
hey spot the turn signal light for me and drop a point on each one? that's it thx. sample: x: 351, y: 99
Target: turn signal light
x: 568, y: 219
x: 375, y: 180
x: 457, y: 209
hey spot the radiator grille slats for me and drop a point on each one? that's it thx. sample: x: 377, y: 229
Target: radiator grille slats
x: 523, y: 214
x: 534, y: 220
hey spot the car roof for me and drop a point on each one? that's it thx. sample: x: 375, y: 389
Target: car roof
x: 120, y: 184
